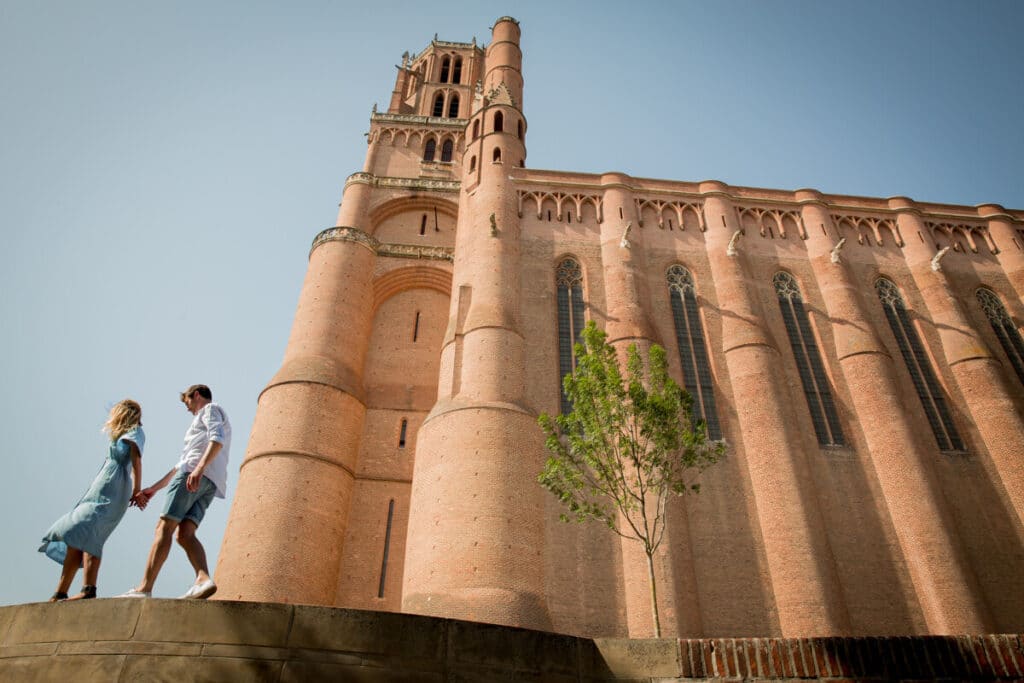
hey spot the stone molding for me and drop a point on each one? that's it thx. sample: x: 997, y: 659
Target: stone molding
x: 415, y: 119
x: 408, y: 251
x: 131, y: 639
x: 427, y: 184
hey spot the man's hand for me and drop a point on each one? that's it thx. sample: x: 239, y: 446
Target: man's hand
x: 195, y: 477
x: 141, y: 499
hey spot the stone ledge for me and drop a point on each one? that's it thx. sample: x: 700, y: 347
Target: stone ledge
x: 174, y: 640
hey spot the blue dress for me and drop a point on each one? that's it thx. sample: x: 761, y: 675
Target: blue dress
x: 94, y: 517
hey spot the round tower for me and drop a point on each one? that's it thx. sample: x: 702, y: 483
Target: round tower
x: 475, y: 535
x: 283, y: 542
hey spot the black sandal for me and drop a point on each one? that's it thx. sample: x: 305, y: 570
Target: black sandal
x: 88, y: 593
x: 58, y: 597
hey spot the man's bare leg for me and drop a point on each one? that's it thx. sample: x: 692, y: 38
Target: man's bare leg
x: 194, y: 549
x: 157, y: 553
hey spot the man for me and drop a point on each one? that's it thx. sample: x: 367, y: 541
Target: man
x: 200, y: 474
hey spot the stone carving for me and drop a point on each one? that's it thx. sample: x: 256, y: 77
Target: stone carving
x: 836, y: 258
x: 624, y: 242
x: 936, y: 265
x: 731, y: 249
x: 413, y: 251
x: 435, y: 185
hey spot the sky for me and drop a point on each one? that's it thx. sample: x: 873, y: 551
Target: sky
x: 164, y: 168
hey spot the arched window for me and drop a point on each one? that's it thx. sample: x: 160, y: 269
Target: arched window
x: 808, y: 362
x: 569, y: 282
x: 438, y: 105
x: 446, y: 65
x: 457, y: 70
x: 429, y: 149
x: 519, y: 126
x: 499, y: 122
x: 920, y: 368
x: 446, y: 150
x: 1004, y: 328
x: 693, y: 353
x: 453, y: 107
x: 497, y: 155
x: 476, y: 129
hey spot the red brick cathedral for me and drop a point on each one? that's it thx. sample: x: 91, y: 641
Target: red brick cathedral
x: 861, y: 357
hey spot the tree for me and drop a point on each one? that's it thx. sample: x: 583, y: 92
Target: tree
x: 628, y: 444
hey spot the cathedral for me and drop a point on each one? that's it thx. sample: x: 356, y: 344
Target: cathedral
x: 861, y: 358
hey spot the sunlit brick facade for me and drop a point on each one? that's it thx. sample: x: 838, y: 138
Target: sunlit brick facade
x: 861, y: 357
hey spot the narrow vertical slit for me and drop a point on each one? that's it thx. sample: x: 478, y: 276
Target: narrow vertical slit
x: 416, y: 327
x: 387, y: 545
x: 401, y: 434
x: 423, y: 225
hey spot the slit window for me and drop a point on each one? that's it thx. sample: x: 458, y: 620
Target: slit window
x: 387, y: 548
x: 476, y: 129
x: 519, y: 127
x: 1006, y: 332
x: 446, y: 151
x: 403, y: 428
x: 693, y: 352
x: 423, y: 225
x: 921, y: 372
x: 472, y: 163
x: 569, y: 283
x: 416, y: 327
x: 429, y: 150
x: 824, y: 415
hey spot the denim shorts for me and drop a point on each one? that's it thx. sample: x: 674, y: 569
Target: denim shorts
x: 183, y: 504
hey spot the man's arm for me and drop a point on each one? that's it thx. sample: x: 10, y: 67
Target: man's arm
x: 196, y: 475
x: 142, y: 497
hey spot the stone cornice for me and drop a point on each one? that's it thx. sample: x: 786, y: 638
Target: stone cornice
x: 413, y: 119
x: 411, y: 251
x: 428, y: 184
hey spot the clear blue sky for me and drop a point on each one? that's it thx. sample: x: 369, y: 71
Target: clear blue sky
x: 164, y: 167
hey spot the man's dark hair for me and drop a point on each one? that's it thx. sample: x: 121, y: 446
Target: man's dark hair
x: 203, y: 390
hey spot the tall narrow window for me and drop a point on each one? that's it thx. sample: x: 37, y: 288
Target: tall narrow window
x: 499, y: 122
x: 496, y: 157
x: 921, y: 372
x: 429, y: 150
x: 693, y: 353
x: 423, y: 225
x: 1004, y: 328
x: 457, y: 70
x: 387, y: 548
x: 453, y: 107
x: 403, y: 427
x: 446, y: 150
x: 438, y: 105
x: 808, y: 362
x: 569, y: 282
x: 416, y: 327
x: 446, y: 65
x: 476, y: 129
x: 520, y: 128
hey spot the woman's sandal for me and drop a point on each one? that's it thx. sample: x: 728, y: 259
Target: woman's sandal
x: 88, y: 592
x: 58, y: 597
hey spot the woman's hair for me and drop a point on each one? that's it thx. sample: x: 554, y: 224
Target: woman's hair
x: 124, y: 416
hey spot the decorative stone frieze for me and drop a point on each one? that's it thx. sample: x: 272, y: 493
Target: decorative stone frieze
x: 410, y: 251
x: 435, y: 185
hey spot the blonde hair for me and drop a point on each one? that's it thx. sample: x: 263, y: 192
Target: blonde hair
x: 124, y: 416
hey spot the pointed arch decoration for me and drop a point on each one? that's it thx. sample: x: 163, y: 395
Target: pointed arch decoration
x: 1006, y: 332
x: 570, y: 303
x: 693, y: 353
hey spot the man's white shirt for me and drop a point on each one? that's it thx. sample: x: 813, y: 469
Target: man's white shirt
x: 209, y: 424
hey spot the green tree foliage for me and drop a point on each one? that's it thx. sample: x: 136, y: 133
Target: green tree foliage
x: 628, y: 444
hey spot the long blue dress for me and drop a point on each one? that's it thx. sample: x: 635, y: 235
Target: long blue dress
x: 94, y: 517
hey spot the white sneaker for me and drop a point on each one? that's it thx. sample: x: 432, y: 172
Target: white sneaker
x: 200, y: 591
x: 136, y: 593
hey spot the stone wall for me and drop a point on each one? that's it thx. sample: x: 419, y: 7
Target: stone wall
x: 175, y: 640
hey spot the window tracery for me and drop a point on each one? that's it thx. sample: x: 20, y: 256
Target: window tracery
x: 1006, y: 332
x: 810, y: 367
x: 921, y: 372
x: 693, y: 354
x: 569, y: 285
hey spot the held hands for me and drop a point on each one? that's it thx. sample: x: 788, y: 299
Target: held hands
x: 141, y: 499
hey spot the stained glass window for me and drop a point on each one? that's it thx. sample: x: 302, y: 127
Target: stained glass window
x: 1006, y: 331
x: 693, y: 354
x: 569, y: 283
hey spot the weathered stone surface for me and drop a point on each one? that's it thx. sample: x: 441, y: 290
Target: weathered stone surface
x: 193, y: 621
x: 640, y: 658
x: 84, y: 668
x: 50, y: 622
x: 144, y: 669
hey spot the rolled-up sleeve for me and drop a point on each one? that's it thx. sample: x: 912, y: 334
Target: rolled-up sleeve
x: 215, y: 425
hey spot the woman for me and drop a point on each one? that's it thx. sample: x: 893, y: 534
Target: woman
x: 78, y: 536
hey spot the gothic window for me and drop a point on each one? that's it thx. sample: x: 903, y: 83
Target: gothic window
x: 457, y: 70
x: 453, y: 107
x: 446, y: 150
x: 1004, y: 328
x: 921, y: 372
x: 438, y: 105
x: 824, y: 416
x: 429, y: 150
x: 569, y: 282
x: 476, y: 129
x: 693, y: 353
x: 499, y: 122
x: 446, y: 65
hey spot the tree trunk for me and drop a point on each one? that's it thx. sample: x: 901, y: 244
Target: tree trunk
x: 654, y: 594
